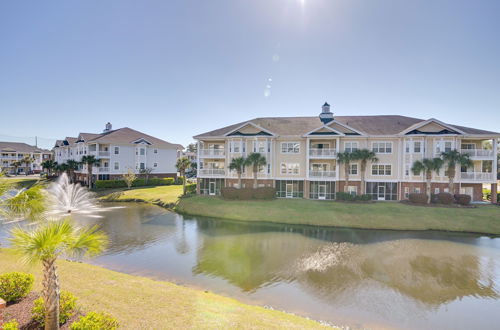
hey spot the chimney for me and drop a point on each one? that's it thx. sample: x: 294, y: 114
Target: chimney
x: 108, y: 128
x: 325, y: 116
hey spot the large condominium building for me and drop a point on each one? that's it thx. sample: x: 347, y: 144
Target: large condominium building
x: 301, y: 154
x: 22, y: 157
x: 118, y: 151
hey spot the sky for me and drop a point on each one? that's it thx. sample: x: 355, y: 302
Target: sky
x: 177, y: 68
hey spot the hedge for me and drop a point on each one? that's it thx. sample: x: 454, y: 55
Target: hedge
x: 445, y: 198
x: 248, y: 193
x: 419, y: 198
x: 462, y: 199
x: 191, y: 188
x: 137, y: 183
x: 343, y: 196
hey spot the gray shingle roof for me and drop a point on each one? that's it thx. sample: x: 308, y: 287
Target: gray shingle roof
x: 20, y: 147
x: 128, y: 135
x: 371, y: 125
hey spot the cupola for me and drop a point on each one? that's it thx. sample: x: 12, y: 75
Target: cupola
x: 326, y: 116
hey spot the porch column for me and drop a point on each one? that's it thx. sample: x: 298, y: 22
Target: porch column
x: 307, y: 158
x: 494, y: 191
x: 306, y: 189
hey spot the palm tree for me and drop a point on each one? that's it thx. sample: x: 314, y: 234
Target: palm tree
x: 27, y: 161
x: 90, y: 161
x: 73, y: 166
x: 46, y: 243
x: 182, y: 165
x: 427, y: 165
x: 17, y: 164
x: 345, y: 158
x: 256, y: 160
x: 453, y: 158
x: 238, y: 164
x: 63, y: 167
x: 49, y: 165
x: 364, y: 156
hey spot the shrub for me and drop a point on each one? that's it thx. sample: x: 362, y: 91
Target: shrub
x: 248, y: 193
x: 434, y: 198
x: 364, y: 197
x: 445, y: 198
x: 136, y: 183
x: 343, y: 196
x: 462, y: 199
x: 179, y: 180
x: 15, y: 285
x: 11, y: 325
x: 95, y: 321
x: 67, y: 305
x: 191, y: 188
x: 418, y: 198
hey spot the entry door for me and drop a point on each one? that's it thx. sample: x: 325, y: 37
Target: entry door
x: 211, y: 188
x: 289, y: 190
x: 467, y: 191
x: 322, y: 191
x: 381, y: 193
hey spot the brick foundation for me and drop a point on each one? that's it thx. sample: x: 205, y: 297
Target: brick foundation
x: 341, y: 185
x: 412, y: 185
x: 248, y: 183
x: 477, y: 194
x: 494, y: 192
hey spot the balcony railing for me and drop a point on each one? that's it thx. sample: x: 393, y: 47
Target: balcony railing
x: 104, y: 153
x: 212, y: 153
x: 323, y: 153
x: 212, y: 172
x: 477, y: 176
x: 322, y: 174
x: 478, y: 152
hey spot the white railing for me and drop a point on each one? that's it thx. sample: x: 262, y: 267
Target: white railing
x: 212, y: 172
x: 104, y: 153
x: 478, y: 152
x: 477, y: 176
x: 212, y: 153
x: 323, y: 153
x: 103, y: 169
x: 322, y: 174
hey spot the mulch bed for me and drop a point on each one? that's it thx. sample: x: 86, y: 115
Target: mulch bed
x: 21, y: 312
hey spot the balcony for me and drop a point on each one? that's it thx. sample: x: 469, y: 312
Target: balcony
x: 103, y: 169
x: 477, y: 176
x: 478, y: 153
x: 212, y: 172
x: 212, y: 153
x: 322, y: 174
x: 103, y: 153
x: 322, y: 153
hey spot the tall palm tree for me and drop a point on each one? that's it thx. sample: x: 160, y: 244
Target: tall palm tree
x: 364, y: 156
x: 45, y: 244
x: 256, y: 160
x: 90, y: 161
x: 345, y: 158
x: 49, y: 165
x: 453, y: 158
x: 427, y: 165
x: 17, y: 164
x: 73, y: 166
x: 238, y: 164
x: 182, y: 165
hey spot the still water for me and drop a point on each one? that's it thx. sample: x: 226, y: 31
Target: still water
x: 358, y: 278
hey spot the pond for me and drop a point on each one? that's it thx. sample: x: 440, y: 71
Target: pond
x: 357, y: 278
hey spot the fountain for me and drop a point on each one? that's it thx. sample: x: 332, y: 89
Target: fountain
x: 66, y: 198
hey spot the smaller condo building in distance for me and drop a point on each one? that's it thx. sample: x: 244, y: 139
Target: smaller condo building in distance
x: 22, y: 157
x: 118, y: 151
x: 301, y: 154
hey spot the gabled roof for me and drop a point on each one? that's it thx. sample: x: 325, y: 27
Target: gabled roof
x: 20, y: 147
x: 368, y: 125
x: 127, y: 136
x: 87, y: 136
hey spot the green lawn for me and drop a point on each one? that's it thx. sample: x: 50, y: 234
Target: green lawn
x: 23, y: 181
x: 142, y: 303
x: 380, y: 215
x: 162, y: 195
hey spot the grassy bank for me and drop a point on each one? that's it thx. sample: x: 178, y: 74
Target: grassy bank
x: 142, y: 303
x: 382, y: 215
x: 160, y: 195
x: 23, y: 181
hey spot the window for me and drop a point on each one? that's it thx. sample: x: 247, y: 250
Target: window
x: 117, y: 166
x: 382, y: 147
x: 407, y: 170
x: 446, y: 190
x: 407, y: 192
x: 234, y: 146
x: 353, y: 170
x: 381, y: 169
x: 416, y: 190
x: 142, y: 166
x: 487, y: 166
x: 468, y: 146
x: 155, y: 165
x: 290, y: 147
x: 143, y: 151
x: 155, y: 151
x: 290, y: 168
x: 407, y: 147
x: 350, y: 146
x: 319, y: 167
x: 447, y: 146
x: 117, y: 150
x: 353, y: 190
x: 417, y: 146
x: 436, y: 190
x: 268, y: 168
x: 259, y: 146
